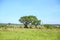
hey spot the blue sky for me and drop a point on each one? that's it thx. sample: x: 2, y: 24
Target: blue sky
x: 46, y: 10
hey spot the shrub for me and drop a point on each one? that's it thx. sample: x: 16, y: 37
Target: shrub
x: 20, y: 26
x: 48, y: 26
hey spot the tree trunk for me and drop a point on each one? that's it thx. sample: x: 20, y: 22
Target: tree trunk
x: 26, y: 26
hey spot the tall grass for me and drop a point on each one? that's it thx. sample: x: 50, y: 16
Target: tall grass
x: 29, y: 34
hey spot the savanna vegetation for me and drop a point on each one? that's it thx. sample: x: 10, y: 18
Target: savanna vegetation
x: 31, y: 29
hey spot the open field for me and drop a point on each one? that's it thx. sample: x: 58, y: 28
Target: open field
x: 30, y: 34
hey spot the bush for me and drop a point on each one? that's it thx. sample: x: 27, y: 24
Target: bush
x: 4, y: 26
x: 48, y: 26
x: 20, y: 26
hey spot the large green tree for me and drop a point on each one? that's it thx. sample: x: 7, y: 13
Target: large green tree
x: 29, y: 20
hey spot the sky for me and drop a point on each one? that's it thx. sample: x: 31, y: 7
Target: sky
x: 48, y: 11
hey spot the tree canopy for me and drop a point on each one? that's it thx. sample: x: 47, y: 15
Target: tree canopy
x: 29, y: 20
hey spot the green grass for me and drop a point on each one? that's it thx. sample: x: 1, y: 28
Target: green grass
x: 30, y: 34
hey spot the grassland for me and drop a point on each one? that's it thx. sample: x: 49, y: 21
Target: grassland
x: 30, y: 34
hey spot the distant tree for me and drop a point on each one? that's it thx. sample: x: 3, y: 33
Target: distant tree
x: 9, y: 23
x: 28, y: 20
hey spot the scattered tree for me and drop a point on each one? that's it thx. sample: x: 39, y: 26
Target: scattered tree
x: 29, y: 20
